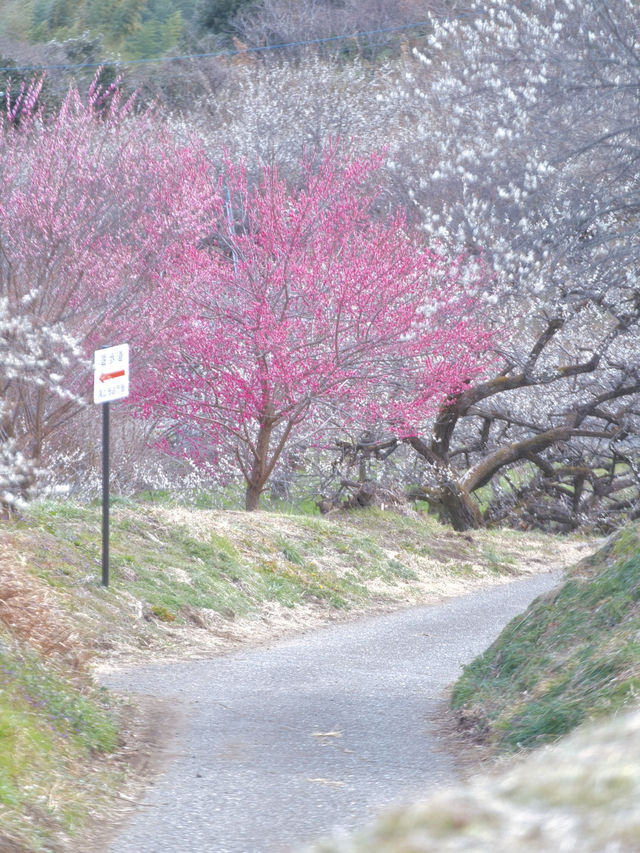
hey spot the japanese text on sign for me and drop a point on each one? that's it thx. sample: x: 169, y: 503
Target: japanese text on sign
x: 111, y: 373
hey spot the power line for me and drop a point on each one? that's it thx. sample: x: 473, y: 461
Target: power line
x: 229, y: 52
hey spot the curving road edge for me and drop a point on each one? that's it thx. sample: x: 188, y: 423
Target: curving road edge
x: 284, y: 743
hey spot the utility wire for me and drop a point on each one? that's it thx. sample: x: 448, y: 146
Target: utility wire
x: 236, y: 52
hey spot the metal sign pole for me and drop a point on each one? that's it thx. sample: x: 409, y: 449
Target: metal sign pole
x: 110, y: 382
x: 105, y: 494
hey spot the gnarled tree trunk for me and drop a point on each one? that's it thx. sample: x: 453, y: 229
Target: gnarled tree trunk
x: 459, y: 507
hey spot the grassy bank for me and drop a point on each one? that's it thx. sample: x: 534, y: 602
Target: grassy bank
x: 183, y: 582
x: 54, y: 731
x: 574, y: 655
x: 229, y: 573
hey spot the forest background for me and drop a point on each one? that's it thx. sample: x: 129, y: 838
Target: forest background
x: 508, y: 136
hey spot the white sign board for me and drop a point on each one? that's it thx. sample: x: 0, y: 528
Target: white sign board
x: 111, y: 373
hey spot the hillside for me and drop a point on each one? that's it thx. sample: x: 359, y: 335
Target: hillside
x: 186, y: 583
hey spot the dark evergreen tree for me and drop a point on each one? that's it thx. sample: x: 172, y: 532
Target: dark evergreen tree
x: 216, y: 16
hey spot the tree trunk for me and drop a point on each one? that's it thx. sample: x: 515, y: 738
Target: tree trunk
x: 252, y: 496
x: 451, y: 501
x: 461, y: 510
x: 260, y: 469
x: 448, y: 496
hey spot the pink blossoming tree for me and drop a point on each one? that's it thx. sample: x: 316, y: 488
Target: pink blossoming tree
x: 91, y: 194
x: 298, y: 312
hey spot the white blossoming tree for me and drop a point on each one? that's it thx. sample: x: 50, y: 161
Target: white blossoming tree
x: 35, y: 358
x: 275, y: 112
x: 521, y: 144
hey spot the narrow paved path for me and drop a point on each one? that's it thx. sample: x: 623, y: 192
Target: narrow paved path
x: 286, y: 742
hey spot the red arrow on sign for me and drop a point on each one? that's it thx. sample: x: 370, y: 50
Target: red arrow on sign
x: 104, y: 376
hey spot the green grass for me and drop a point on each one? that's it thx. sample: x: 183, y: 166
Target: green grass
x: 498, y: 562
x: 572, y: 656
x: 52, y: 730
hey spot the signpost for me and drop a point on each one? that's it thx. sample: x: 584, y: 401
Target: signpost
x: 110, y: 382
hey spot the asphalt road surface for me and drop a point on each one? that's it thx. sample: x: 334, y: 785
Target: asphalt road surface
x: 284, y: 743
